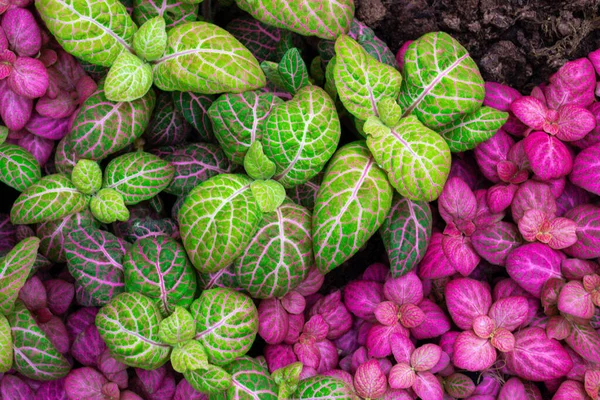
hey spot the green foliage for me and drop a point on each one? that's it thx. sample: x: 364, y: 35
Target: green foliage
x: 150, y: 41
x: 293, y: 71
x: 6, y: 345
x: 128, y: 79
x: 287, y: 379
x: 323, y: 388
x: 3, y: 134
x: 87, y: 176
x: 15, y: 268
x: 389, y: 111
x: 257, y: 164
x: 250, y: 380
x: 268, y: 194
x: 18, y: 168
x: 177, y: 328
x: 173, y: 11
x: 108, y: 206
x: 189, y: 356
x: 211, y: 380
x: 471, y: 129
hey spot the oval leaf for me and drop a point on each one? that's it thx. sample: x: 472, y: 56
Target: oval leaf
x: 18, y: 168
x: 128, y: 79
x: 15, y: 267
x: 474, y: 128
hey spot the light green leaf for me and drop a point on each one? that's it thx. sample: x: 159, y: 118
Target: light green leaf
x: 257, y: 164
x: 173, y: 11
x: 250, y: 380
x: 108, y: 206
x: 52, y: 197
x: 178, y: 327
x: 271, y: 71
x: 301, y: 135
x: 203, y: 58
x: 326, y: 19
x: 189, y: 356
x: 18, y: 168
x: 6, y: 345
x: 96, y: 31
x: 330, y: 87
x: 287, y: 379
x: 239, y: 119
x: 471, y: 129
x: 389, y: 111
x: 129, y: 326
x: 3, y: 133
x: 87, y: 176
x: 441, y: 81
x: 138, y: 176
x: 268, y: 194
x: 15, y: 267
x: 226, y: 324
x: 362, y: 81
x: 217, y: 221
x: 293, y: 71
x: 128, y: 79
x: 212, y: 380
x: 150, y: 41
x: 352, y: 202
x: 417, y: 160
x: 321, y: 387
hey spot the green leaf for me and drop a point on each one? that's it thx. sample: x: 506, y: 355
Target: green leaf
x: 226, y: 324
x: 471, y: 129
x: 301, y: 135
x: 18, y: 168
x: 406, y: 232
x: 293, y: 71
x: 34, y: 354
x: 173, y: 11
x: 138, y: 176
x: 3, y: 134
x: 14, y: 270
x: 203, y: 58
x: 354, y: 198
x: 389, y: 111
x: 362, y: 81
x: 417, y: 160
x: 211, y: 380
x: 268, y: 194
x: 194, y: 108
x: 108, y: 206
x: 167, y: 126
x: 129, y: 326
x: 157, y: 267
x: 178, y: 327
x: 189, y: 356
x: 323, y: 388
x: 316, y: 71
x: 150, y: 41
x: 330, y: 87
x: 217, y: 221
x: 261, y: 39
x: 441, y: 81
x: 6, y: 345
x: 52, y: 197
x: 250, y: 380
x: 287, y: 379
x: 326, y: 19
x: 257, y: 164
x: 87, y: 176
x: 271, y: 71
x: 128, y: 79
x: 96, y: 31
x: 280, y: 254
x: 238, y: 120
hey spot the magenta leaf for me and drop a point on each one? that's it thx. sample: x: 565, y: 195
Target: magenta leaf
x: 88, y: 346
x: 361, y: 298
x: 61, y: 106
x: 531, y: 111
x: 334, y: 313
x: 592, y: 383
x: 574, y: 122
x: 427, y: 386
x: 473, y: 353
x: 405, y: 289
x: 328, y: 355
x: 531, y: 265
x: 38, y: 146
x: 293, y: 302
x: 436, y: 322
x: 410, y: 316
x: 11, y: 387
x: 402, y: 376
x: 15, y: 109
x: 585, y: 341
x: 574, y: 268
x: 425, y: 357
x: 499, y: 96
x: 587, y: 218
x: 513, y: 389
x: 558, y: 328
x: 435, y: 264
x: 575, y: 300
x: 46, y: 127
x: 500, y: 196
x: 312, y: 283
x: 377, y: 272
x: 573, y: 83
x: 492, y: 152
x: 485, y: 217
x: 60, y: 295
x: 28, y: 78
x: 369, y: 380
x: 316, y: 327
x: 457, y: 202
x: 586, y: 169
x: 378, y: 339
x: 536, y: 357
x: 495, y: 242
x: 509, y: 312
x: 534, y: 223
x: 484, y: 326
x: 85, y: 383
x: 562, y: 233
x: 402, y: 348
x: 460, y: 253
x: 386, y: 313
x: 503, y: 340
x: 533, y: 195
x: 466, y: 300
x: 548, y: 157
x: 279, y: 356
x: 22, y: 32
x: 33, y: 294
x: 296, y: 323
x: 570, y: 390
x: 157, y: 384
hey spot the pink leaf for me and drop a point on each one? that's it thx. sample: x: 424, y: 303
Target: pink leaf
x: 61, y: 106
x: 22, y: 31
x: 499, y: 96
x: 405, y: 289
x: 592, y: 383
x: 273, y: 321
x: 532, y: 224
x: 369, y: 380
x: 279, y: 356
x: 49, y: 128
x: 531, y: 265
x: 33, y: 294
x: 361, y: 298
x: 587, y: 218
x: 573, y: 83
x: 571, y: 197
x: 28, y: 78
x: 500, y: 196
x: 378, y: 339
x: 530, y: 111
x: 562, y: 233
x: 328, y: 355
x: 593, y: 137
x: 533, y: 195
x: 293, y: 302
x: 457, y: 202
x: 435, y: 264
x: 495, y: 242
x: 401, y: 52
x: 376, y: 272
x: 459, y: 386
x: 557, y: 327
x: 459, y: 251
x: 435, y: 324
x: 485, y: 217
x: 484, y: 326
x: 509, y: 312
x: 60, y: 295
x: 586, y: 169
x: 85, y: 383
x: 38, y: 146
x: 316, y: 327
x: 466, y: 300
x: 15, y: 110
x: 570, y: 390
x: 335, y: 314
x: 513, y: 389
x: 585, y: 341
x: 503, y: 340
x: 473, y: 353
x: 537, y: 358
x: 85, y: 87
x: 386, y: 313
x: 428, y: 387
x: 295, y: 325
x: 574, y: 122
x: 402, y: 348
x: 402, y: 376
x: 491, y: 152
x: 308, y: 354
x: 410, y: 316
x: 425, y: 357
x: 574, y: 268
x: 548, y: 157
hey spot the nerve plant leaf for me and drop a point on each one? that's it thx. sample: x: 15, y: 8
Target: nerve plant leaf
x: 268, y: 194
x: 261, y: 39
x: 150, y: 41
x: 173, y: 11
x: 128, y: 79
x: 53, y: 233
x: 416, y: 159
x: 301, y: 135
x: 158, y: 268
x: 178, y: 327
x: 189, y: 356
x: 95, y: 258
x: 14, y: 270
x: 108, y: 206
x: 194, y: 108
x: 323, y: 387
x: 226, y: 324
x: 211, y: 380
x: 87, y: 176
x: 129, y: 326
x: 441, y: 81
x: 326, y: 19
x: 168, y: 126
x: 250, y: 379
x: 362, y: 81
x: 34, y: 354
x: 352, y: 203
x: 138, y: 176
x: 216, y: 62
x: 279, y: 256
x: 18, y: 168
x: 217, y: 221
x: 257, y: 164
x: 3, y: 134
x: 238, y: 120
x: 104, y: 39
x: 474, y: 128
x: 293, y: 71
x: 52, y: 197
x: 6, y: 345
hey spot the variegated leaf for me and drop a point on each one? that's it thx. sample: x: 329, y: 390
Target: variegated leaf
x: 173, y: 11
x: 471, y: 129
x: 323, y: 388
x: 6, y: 345
x: 15, y: 267
x: 168, y: 126
x: 194, y: 108
x: 18, y: 168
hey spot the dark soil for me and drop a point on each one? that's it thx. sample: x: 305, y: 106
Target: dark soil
x: 516, y: 42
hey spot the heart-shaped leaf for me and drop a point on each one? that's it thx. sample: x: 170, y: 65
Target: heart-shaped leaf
x: 87, y: 176
x: 211, y: 380
x: 177, y: 328
x: 531, y: 265
x: 105, y: 38
x: 52, y: 197
x: 15, y: 110
x: 28, y: 78
x: 548, y: 157
x: 128, y: 79
x: 257, y: 164
x: 150, y: 41
x: 217, y: 221
x: 353, y: 186
x: 509, y: 312
x: 301, y: 135
x: 467, y: 299
x: 22, y: 31
x: 218, y: 62
x: 188, y: 357
x: 18, y: 168
x: 129, y: 326
x: 471, y: 129
x: 269, y: 194
x: 108, y: 206
x: 15, y: 267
